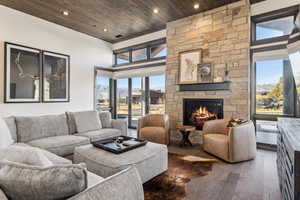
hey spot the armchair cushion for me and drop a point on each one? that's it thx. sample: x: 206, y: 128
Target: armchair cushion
x: 217, y: 144
x: 153, y: 134
x: 120, y: 124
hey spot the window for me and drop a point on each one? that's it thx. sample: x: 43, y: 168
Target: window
x: 158, y: 51
x: 139, y: 54
x: 274, y: 28
x: 122, y: 58
x: 102, y: 93
x: 137, y: 100
x: 157, y: 94
x: 122, y: 98
x: 273, y: 95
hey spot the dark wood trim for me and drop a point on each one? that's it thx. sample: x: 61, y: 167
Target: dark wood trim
x: 269, y: 48
x: 140, y: 46
x: 5, y: 73
x: 269, y: 40
x: 147, y: 95
x: 129, y: 102
x: 69, y: 58
x: 205, y: 86
x: 285, y: 12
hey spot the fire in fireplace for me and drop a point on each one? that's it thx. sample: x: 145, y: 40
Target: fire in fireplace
x: 197, y: 111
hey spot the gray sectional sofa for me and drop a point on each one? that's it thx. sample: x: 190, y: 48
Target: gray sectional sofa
x: 58, y: 135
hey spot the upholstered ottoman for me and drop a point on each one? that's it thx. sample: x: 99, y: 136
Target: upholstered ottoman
x: 150, y: 160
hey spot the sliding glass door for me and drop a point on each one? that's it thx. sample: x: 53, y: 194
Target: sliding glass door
x: 157, y: 94
x: 122, y: 97
x: 137, y: 100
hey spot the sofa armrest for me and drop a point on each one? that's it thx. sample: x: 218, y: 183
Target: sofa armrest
x: 2, y: 195
x: 215, y: 127
x: 120, y: 124
x: 242, y: 142
x: 125, y: 185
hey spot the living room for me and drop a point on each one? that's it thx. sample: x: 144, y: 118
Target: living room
x: 149, y: 100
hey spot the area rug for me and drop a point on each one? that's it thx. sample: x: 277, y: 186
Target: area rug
x: 171, y: 185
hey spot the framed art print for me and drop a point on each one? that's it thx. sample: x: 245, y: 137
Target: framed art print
x: 22, y: 74
x: 56, y: 77
x: 188, y: 66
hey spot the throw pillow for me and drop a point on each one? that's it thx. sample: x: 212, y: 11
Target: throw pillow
x: 105, y: 117
x: 5, y: 135
x: 87, y: 121
x: 19, y: 181
x: 11, y: 123
x: 235, y: 122
x: 26, y: 155
x: 71, y: 123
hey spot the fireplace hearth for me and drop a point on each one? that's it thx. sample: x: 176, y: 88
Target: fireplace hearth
x: 197, y: 111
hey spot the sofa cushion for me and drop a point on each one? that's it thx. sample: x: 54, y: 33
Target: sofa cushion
x: 2, y: 195
x: 71, y: 123
x: 87, y: 121
x: 153, y: 134
x: 100, y: 134
x: 217, y: 144
x: 19, y: 181
x: 5, y: 135
x: 93, y: 179
x: 25, y: 155
x: 56, y: 160
x: 11, y: 123
x: 60, y: 145
x: 36, y: 127
x: 106, y: 120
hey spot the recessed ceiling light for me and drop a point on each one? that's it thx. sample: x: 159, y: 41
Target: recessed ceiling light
x: 65, y: 12
x: 105, y: 30
x: 155, y: 10
x: 196, y: 6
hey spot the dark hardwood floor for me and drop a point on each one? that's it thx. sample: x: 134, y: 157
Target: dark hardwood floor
x: 252, y: 180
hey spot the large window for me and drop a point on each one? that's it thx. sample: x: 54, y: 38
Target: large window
x: 273, y: 94
x: 274, y: 28
x: 122, y: 98
x: 157, y: 94
x: 102, y: 93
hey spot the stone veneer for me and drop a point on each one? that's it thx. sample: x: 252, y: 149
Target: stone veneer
x: 224, y: 36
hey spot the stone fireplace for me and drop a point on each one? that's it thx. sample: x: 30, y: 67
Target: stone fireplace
x: 223, y: 35
x: 197, y: 111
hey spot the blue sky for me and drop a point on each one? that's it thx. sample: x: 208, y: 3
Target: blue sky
x: 269, y: 71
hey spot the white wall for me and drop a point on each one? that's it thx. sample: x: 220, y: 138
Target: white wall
x: 85, y: 51
x: 141, y: 39
x: 270, y: 5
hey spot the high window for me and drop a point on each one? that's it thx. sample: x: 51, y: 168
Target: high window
x: 149, y: 51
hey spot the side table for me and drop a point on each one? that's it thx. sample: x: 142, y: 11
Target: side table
x: 185, y: 132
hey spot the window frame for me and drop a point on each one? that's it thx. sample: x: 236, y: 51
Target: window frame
x: 273, y: 15
x: 146, y: 45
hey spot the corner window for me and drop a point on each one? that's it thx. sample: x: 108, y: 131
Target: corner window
x: 139, y: 54
x: 158, y: 51
x: 102, y: 93
x: 122, y: 58
x: 274, y: 28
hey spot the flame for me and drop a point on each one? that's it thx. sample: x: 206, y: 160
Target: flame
x: 203, y: 113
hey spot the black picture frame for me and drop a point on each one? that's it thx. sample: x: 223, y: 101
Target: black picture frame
x: 67, y: 94
x: 8, y: 46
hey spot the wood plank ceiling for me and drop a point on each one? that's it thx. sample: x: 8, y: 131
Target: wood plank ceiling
x: 129, y: 18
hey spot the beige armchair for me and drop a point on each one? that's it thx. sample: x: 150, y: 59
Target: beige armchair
x: 154, y: 128
x: 231, y: 144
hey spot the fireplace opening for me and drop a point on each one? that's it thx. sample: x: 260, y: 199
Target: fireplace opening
x: 197, y: 111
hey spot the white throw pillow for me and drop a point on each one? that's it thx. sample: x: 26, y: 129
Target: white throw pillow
x: 5, y: 135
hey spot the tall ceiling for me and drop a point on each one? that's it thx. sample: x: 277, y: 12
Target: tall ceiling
x: 129, y: 18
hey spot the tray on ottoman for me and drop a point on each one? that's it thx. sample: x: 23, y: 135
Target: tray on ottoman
x: 119, y: 144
